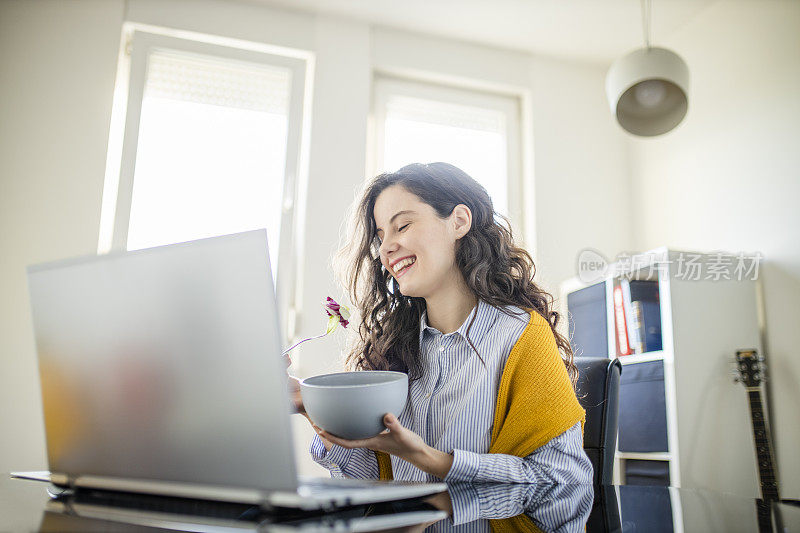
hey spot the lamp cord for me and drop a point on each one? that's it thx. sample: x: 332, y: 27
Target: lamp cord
x: 647, y: 10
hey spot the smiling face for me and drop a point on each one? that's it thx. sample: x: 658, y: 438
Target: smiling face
x: 417, y: 246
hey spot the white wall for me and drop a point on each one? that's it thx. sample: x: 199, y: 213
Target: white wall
x: 727, y: 177
x: 58, y: 62
x: 57, y: 68
x: 582, y: 194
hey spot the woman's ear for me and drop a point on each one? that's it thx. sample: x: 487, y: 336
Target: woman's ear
x: 462, y: 220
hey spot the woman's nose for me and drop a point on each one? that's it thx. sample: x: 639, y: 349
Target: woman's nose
x: 387, y: 246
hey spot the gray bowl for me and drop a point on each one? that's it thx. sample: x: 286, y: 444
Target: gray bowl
x: 351, y: 405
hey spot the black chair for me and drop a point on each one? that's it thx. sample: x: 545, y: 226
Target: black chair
x: 604, y: 516
x: 598, y: 393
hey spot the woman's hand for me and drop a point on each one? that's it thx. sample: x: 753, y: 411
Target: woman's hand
x: 293, y: 384
x: 295, y: 396
x: 441, y: 501
x: 402, y: 443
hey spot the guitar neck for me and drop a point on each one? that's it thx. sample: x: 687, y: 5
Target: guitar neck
x: 766, y: 469
x: 764, y: 516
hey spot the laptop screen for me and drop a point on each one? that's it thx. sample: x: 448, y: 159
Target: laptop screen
x: 164, y: 364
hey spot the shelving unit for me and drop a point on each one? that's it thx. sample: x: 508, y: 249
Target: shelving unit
x: 650, y: 456
x: 703, y: 322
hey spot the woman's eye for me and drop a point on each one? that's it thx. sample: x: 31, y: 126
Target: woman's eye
x: 404, y: 226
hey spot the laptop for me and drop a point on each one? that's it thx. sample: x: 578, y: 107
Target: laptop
x: 96, y: 510
x: 161, y: 373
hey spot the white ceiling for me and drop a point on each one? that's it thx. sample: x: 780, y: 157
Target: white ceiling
x: 587, y: 30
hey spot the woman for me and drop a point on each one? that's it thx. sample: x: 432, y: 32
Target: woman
x: 445, y: 296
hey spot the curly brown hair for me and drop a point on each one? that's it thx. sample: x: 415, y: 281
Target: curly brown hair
x: 497, y: 271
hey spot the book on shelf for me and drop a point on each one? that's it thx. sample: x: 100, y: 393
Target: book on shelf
x: 632, y: 321
x: 623, y: 346
x: 637, y: 316
x: 645, y: 296
x: 637, y: 328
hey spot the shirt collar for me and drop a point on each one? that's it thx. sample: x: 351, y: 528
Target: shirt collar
x: 486, y: 316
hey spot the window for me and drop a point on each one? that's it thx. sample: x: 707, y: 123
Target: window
x: 477, y: 132
x: 211, y: 146
x: 211, y: 152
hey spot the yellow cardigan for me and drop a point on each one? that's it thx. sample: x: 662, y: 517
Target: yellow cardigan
x: 535, y: 402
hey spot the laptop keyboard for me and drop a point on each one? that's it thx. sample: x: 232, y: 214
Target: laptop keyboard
x: 167, y: 504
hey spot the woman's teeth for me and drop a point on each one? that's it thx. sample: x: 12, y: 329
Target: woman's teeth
x: 403, y: 263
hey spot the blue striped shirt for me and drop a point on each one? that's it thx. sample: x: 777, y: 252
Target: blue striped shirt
x: 452, y: 408
x: 552, y: 507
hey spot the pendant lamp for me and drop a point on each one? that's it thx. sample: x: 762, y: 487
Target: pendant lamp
x: 647, y: 89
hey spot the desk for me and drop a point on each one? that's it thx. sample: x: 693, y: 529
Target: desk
x: 25, y: 506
